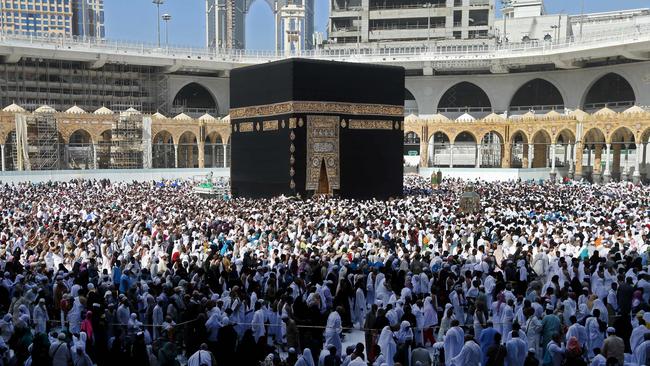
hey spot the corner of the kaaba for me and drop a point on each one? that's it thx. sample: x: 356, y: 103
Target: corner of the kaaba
x: 296, y: 121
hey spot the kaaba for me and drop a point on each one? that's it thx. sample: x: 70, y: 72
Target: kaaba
x: 304, y: 127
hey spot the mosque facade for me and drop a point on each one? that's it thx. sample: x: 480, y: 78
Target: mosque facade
x: 575, y: 103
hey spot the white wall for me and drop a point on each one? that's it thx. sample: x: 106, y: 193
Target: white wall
x: 500, y: 88
x: 490, y: 174
x: 116, y: 175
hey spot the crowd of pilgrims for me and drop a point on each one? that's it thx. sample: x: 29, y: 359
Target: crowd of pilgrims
x: 100, y: 273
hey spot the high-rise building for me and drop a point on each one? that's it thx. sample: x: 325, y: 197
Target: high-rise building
x: 53, y: 17
x: 88, y: 18
x: 409, y: 21
x: 37, y: 16
x: 226, y: 23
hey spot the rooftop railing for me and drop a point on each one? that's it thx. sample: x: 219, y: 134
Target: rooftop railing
x: 377, y: 52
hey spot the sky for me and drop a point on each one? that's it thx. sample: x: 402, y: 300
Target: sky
x: 135, y: 20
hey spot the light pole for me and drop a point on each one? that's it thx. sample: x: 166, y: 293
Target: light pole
x: 166, y: 18
x: 582, y: 16
x: 359, y: 27
x: 428, y: 6
x: 505, y: 4
x: 158, y: 3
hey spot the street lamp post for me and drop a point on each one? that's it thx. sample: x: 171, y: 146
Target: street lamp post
x: 158, y: 3
x: 359, y: 27
x: 582, y: 16
x: 428, y: 6
x: 166, y: 18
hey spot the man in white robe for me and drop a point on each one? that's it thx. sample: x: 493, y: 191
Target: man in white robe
x: 258, y: 322
x: 577, y: 330
x: 533, y: 329
x: 158, y: 319
x: 517, y: 350
x: 595, y: 336
x: 470, y: 354
x: 507, y: 317
x: 638, y: 334
x: 40, y: 317
x: 642, y: 352
x: 333, y: 330
x: 359, y: 309
x: 456, y: 299
x: 454, y: 340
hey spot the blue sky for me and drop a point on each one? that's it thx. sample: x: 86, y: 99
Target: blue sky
x: 135, y: 20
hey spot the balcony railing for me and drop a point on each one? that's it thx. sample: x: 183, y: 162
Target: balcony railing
x: 614, y: 37
x: 610, y: 105
x: 538, y: 108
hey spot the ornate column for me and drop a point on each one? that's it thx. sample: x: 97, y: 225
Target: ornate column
x: 531, y: 155
x: 569, y: 154
x: 424, y: 154
x: 553, y: 172
x: 175, y: 155
x: 524, y: 159
x: 95, y: 162
x: 607, y: 175
x: 451, y: 155
x: 624, y: 167
x: 644, y: 154
x: 225, y: 155
x: 597, y: 166
x: 201, y: 154
x: 636, y: 176
x: 578, y: 151
x: 507, y: 156
x: 2, y: 156
x: 478, y: 155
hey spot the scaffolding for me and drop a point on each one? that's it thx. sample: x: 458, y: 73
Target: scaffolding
x: 43, y: 142
x: 126, y: 142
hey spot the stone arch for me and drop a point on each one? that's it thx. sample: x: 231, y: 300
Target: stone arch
x: 610, y: 89
x: 213, y: 138
x: 523, y: 136
x: 645, y: 136
x: 163, y: 137
x: 492, y: 150
x: 465, y: 137
x: 541, y: 143
x: 103, y: 146
x: 79, y: 136
x: 163, y: 150
x: 519, y: 149
x: 79, y: 150
x: 564, y: 142
x: 195, y: 99
x: 621, y: 135
x: 623, y: 150
x: 410, y: 103
x: 188, y: 150
x: 564, y: 136
x: 214, y: 150
x: 594, y: 135
x: 464, y: 96
x: 535, y: 93
x: 439, y: 149
x: 412, y: 142
x: 464, y: 149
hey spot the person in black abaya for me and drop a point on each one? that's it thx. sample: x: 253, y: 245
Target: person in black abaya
x: 246, y: 350
x: 226, y: 344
